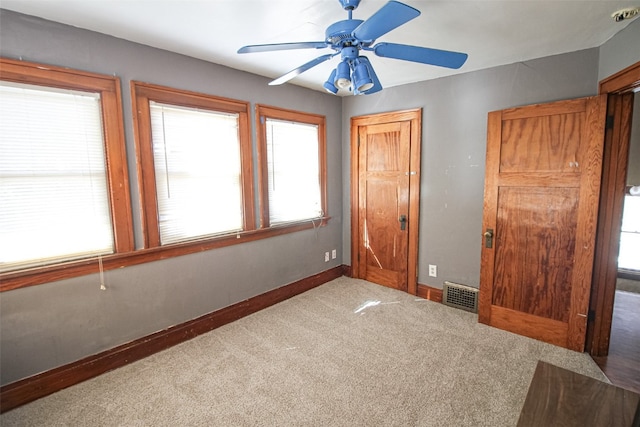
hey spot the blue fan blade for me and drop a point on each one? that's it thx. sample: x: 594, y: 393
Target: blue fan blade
x: 301, y: 69
x: 377, y: 87
x: 424, y: 55
x: 387, y: 18
x: 281, y: 46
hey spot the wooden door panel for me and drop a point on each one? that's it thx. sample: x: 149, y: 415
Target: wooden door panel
x: 385, y: 244
x: 540, y: 328
x: 382, y: 234
x: 383, y: 149
x: 541, y: 198
x: 535, y: 281
x: 541, y: 144
x: 387, y: 278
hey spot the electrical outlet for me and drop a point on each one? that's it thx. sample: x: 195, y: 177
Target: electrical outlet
x: 334, y: 254
x: 433, y: 270
x: 326, y: 257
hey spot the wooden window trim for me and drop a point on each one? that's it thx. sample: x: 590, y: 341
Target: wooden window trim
x: 38, y: 276
x: 115, y: 152
x: 265, y: 111
x: 141, y: 94
x: 127, y: 255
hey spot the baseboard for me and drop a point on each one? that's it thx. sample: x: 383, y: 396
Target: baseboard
x: 423, y: 291
x: 430, y: 293
x: 346, y: 270
x: 32, y: 388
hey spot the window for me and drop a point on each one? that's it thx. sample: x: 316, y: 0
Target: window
x: 196, y: 165
x: 64, y: 189
x: 292, y: 155
x: 628, y: 258
x: 59, y: 129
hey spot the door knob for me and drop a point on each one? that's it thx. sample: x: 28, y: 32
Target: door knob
x: 403, y: 222
x: 488, y: 238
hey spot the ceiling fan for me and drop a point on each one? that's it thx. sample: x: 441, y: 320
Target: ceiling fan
x: 350, y: 36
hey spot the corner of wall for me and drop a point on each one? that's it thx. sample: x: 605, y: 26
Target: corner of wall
x: 620, y: 51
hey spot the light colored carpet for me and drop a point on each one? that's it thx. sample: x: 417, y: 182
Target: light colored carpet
x: 348, y: 353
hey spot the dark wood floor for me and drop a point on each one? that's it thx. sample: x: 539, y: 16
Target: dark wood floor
x: 558, y: 397
x: 622, y: 365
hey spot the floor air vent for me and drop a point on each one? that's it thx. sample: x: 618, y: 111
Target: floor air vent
x: 460, y: 296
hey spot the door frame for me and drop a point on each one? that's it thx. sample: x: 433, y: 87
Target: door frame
x: 414, y: 116
x: 615, y: 162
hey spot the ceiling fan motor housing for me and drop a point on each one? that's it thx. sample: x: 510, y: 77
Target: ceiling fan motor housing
x: 340, y: 34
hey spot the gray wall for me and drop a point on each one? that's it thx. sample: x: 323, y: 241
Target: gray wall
x: 454, y: 131
x: 620, y: 51
x: 49, y: 325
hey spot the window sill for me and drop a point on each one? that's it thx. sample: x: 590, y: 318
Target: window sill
x: 50, y: 273
x: 629, y: 274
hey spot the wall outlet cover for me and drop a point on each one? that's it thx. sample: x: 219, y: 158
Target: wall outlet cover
x: 433, y: 270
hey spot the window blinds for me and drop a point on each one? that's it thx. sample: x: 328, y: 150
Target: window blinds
x: 628, y: 256
x: 294, y: 172
x: 198, y: 172
x: 54, y: 202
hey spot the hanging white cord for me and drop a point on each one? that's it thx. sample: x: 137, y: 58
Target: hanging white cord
x: 317, y: 227
x: 102, y: 286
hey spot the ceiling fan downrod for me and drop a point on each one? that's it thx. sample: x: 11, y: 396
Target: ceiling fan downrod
x: 349, y: 4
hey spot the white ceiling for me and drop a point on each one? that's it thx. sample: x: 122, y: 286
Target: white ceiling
x: 491, y: 32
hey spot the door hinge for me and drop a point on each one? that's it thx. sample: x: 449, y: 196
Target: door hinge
x: 609, y: 122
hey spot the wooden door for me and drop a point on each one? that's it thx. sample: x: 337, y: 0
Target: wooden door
x: 542, y: 184
x: 385, y: 188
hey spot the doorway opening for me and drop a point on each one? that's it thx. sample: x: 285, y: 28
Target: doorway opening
x: 613, y: 337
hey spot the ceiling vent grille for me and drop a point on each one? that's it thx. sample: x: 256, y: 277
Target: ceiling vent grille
x: 460, y: 296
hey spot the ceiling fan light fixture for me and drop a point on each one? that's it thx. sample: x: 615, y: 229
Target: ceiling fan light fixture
x: 361, y: 77
x: 343, y: 75
x: 329, y: 85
